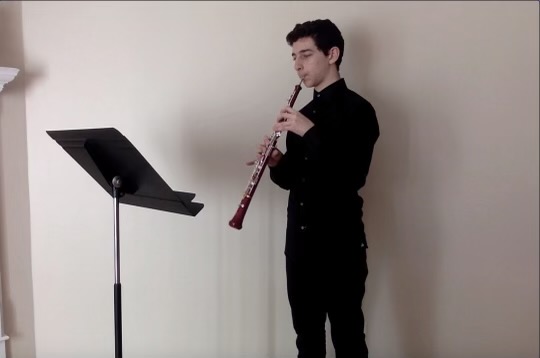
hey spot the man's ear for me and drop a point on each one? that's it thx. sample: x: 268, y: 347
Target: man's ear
x: 333, y: 55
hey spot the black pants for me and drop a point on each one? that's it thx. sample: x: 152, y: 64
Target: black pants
x: 335, y: 289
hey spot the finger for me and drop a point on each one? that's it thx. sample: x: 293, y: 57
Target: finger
x: 287, y: 109
x: 283, y: 111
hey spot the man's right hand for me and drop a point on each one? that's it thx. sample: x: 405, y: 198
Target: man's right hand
x: 274, y: 158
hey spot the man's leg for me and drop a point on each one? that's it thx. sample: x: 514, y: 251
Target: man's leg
x: 306, y: 292
x: 345, y: 310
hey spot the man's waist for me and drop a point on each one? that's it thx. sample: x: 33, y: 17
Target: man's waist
x: 348, y: 201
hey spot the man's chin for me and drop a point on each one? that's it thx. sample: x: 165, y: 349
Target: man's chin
x: 307, y: 83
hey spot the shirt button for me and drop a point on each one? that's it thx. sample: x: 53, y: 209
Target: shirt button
x: 314, y: 111
x: 305, y: 158
x: 302, y: 227
x: 303, y: 180
x: 301, y: 204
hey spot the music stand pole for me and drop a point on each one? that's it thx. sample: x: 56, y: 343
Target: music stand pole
x: 116, y: 186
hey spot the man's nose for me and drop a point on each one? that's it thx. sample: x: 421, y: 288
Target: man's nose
x: 297, y: 65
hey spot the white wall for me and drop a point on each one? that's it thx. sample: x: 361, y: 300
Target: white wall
x: 451, y: 201
x: 15, y: 263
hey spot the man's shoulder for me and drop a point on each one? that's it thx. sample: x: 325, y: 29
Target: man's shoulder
x: 362, y: 110
x: 356, y: 101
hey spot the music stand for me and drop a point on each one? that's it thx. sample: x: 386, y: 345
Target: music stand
x: 122, y: 171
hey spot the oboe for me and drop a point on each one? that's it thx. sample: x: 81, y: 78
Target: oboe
x: 260, y: 165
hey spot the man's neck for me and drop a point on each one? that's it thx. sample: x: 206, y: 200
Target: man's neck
x: 332, y: 77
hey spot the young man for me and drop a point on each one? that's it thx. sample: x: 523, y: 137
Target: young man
x: 329, y: 149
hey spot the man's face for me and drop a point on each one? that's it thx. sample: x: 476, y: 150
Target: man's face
x: 310, y: 63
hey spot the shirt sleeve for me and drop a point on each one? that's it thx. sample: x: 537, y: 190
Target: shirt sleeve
x: 281, y: 174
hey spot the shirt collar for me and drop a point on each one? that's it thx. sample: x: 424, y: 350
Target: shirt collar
x: 330, y: 90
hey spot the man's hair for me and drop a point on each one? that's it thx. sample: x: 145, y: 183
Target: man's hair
x: 324, y: 33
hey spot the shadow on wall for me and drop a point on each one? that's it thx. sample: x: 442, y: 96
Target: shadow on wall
x: 401, y: 217
x: 216, y: 148
x: 216, y: 142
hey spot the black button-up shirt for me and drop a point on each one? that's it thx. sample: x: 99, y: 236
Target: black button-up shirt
x: 323, y: 171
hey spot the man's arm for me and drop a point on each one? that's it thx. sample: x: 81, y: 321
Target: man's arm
x: 282, y: 172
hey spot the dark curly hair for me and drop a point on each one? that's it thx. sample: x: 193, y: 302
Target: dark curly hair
x: 324, y: 33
